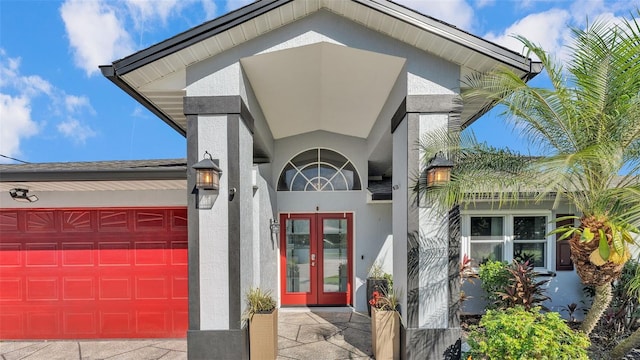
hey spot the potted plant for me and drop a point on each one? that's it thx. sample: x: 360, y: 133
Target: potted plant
x: 385, y: 325
x: 262, y: 316
x: 376, y: 281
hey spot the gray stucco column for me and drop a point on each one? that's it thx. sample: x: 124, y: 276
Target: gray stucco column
x: 220, y: 239
x: 426, y: 240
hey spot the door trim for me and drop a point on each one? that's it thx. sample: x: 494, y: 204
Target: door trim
x: 316, y: 295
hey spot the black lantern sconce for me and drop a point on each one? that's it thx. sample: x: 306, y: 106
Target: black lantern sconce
x: 439, y: 170
x: 207, y: 181
x: 207, y: 173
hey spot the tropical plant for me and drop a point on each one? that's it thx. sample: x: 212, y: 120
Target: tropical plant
x: 522, y: 288
x: 516, y: 333
x: 586, y: 130
x: 494, y: 277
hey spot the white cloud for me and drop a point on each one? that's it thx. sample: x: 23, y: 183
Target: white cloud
x: 547, y: 29
x: 484, y: 3
x: 455, y: 12
x: 75, y: 104
x: 75, y: 130
x: 15, y: 124
x: 21, y: 94
x: 96, y: 34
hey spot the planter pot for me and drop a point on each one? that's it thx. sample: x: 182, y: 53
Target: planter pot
x: 263, y: 336
x: 380, y: 285
x: 385, y: 334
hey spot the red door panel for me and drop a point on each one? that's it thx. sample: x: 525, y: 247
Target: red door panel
x: 88, y: 273
x: 315, y: 259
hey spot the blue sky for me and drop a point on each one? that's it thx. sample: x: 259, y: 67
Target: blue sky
x: 55, y: 106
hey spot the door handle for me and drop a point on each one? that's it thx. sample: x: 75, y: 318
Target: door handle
x: 313, y: 259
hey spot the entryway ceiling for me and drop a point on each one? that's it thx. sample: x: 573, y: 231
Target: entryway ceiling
x: 322, y: 86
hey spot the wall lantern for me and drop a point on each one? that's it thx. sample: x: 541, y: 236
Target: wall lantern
x: 19, y: 194
x: 207, y: 181
x: 439, y: 170
x: 207, y: 173
x: 274, y: 225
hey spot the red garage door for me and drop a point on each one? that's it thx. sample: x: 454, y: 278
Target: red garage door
x: 87, y: 273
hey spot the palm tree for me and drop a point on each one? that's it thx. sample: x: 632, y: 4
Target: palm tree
x: 587, y: 129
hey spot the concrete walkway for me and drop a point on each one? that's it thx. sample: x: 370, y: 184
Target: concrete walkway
x: 316, y: 333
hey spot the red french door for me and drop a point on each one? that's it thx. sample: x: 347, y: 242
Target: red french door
x: 315, y: 258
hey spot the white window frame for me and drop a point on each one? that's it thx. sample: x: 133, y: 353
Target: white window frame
x: 508, y: 233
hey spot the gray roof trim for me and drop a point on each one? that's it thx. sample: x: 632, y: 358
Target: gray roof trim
x: 172, y: 169
x: 450, y: 32
x: 109, y: 72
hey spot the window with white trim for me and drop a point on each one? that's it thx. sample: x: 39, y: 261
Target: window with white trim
x: 319, y: 169
x: 506, y: 236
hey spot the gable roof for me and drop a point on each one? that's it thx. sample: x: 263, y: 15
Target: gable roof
x: 155, y: 76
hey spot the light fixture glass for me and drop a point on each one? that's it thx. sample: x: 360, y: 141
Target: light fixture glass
x: 439, y: 170
x: 207, y: 173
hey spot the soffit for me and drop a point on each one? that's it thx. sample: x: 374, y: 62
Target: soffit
x: 322, y: 87
x: 160, y: 76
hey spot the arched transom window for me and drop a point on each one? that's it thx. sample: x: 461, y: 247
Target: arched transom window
x: 319, y: 170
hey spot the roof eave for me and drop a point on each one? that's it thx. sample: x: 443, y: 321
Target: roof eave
x: 110, y: 73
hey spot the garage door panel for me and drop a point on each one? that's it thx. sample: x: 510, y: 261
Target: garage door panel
x: 78, y: 288
x: 116, y: 323
x: 10, y: 255
x: 41, y: 221
x: 115, y: 288
x: 80, y: 323
x: 41, y: 254
x: 152, y: 322
x: 114, y: 253
x: 9, y: 221
x: 43, y: 323
x: 78, y: 221
x: 11, y: 323
x: 180, y: 287
x: 11, y: 289
x: 113, y: 220
x: 151, y: 253
x: 151, y: 288
x: 77, y: 254
x: 179, y: 253
x: 39, y: 289
x: 150, y: 220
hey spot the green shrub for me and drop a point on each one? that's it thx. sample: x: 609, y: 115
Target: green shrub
x: 515, y: 333
x: 495, y: 278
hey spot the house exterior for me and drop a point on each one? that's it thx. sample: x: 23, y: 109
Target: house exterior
x: 313, y: 111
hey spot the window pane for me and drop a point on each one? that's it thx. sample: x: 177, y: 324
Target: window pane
x: 334, y: 243
x: 486, y: 227
x: 533, y: 252
x: 481, y: 252
x: 307, y: 157
x: 353, y: 180
x: 298, y: 267
x: 529, y: 227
